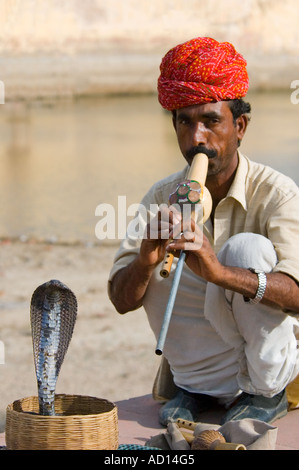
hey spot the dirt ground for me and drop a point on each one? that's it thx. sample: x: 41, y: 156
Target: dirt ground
x: 110, y: 356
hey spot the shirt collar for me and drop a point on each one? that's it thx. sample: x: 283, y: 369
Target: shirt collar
x: 237, y: 189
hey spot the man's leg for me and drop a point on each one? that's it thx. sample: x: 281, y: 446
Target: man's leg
x: 264, y: 337
x: 184, y: 405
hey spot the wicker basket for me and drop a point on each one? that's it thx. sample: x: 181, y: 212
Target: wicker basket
x: 81, y: 423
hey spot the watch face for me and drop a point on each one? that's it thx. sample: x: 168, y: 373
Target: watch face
x: 256, y: 271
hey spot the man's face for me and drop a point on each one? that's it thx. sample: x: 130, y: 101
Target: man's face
x: 209, y: 128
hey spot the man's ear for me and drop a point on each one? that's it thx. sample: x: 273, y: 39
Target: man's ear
x: 241, y: 124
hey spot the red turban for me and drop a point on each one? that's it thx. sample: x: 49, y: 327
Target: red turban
x: 201, y: 71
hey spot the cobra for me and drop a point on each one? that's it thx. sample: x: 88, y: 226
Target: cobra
x: 53, y: 313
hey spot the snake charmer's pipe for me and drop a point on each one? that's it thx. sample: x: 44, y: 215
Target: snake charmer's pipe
x: 197, y: 174
x: 185, y: 194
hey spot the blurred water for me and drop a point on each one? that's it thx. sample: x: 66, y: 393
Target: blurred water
x: 60, y: 161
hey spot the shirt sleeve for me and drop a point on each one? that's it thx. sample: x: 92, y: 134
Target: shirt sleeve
x: 283, y: 231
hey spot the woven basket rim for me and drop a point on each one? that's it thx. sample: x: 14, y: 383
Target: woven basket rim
x: 85, y: 430
x: 61, y: 396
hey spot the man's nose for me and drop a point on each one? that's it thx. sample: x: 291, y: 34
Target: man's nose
x: 199, y: 134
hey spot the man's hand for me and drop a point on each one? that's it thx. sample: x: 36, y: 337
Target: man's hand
x: 129, y: 285
x: 155, y: 239
x: 201, y: 258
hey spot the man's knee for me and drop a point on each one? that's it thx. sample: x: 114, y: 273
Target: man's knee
x: 248, y: 250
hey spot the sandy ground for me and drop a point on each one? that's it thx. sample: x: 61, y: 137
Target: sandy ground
x: 110, y: 355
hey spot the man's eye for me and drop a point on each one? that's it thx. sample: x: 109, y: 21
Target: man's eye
x: 184, y: 122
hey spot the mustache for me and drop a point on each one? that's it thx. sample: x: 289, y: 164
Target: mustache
x: 200, y: 149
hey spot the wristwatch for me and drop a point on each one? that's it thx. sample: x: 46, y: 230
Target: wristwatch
x: 262, y: 278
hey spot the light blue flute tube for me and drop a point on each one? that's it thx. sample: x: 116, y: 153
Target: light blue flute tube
x: 170, y: 303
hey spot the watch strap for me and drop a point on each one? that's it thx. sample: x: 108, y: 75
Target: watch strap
x: 262, y: 284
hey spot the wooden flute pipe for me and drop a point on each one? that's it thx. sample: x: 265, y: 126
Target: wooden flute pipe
x: 197, y: 172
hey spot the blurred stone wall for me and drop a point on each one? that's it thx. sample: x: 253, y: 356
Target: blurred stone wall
x: 85, y: 47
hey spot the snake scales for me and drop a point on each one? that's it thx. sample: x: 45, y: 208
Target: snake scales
x: 53, y: 312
